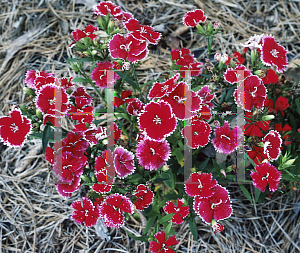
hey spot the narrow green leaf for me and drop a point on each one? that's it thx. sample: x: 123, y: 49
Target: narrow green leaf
x: 150, y: 223
x: 251, y: 161
x: 229, y: 93
x: 126, y: 78
x: 246, y: 192
x: 203, y: 165
x: 298, y: 105
x: 167, y: 217
x: 256, y: 194
x: 78, y: 59
x: 206, y: 76
x: 46, y: 136
x: 193, y: 228
x: 168, y: 228
x: 80, y: 80
x: 138, y: 238
x: 222, y: 97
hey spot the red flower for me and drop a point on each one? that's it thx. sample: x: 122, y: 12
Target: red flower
x: 203, y: 113
x: 217, y: 227
x: 81, y: 97
x: 254, y: 128
x: 206, y: 97
x: 200, y: 185
x: 47, y: 98
x: 88, y: 32
x: 100, y: 76
x: 66, y: 189
x: 104, y: 177
x: 251, y: 92
x: 237, y: 58
x: 161, y: 89
x: 32, y: 78
x: 142, y: 32
x: 197, y: 134
x: 298, y: 130
x: 124, y: 163
x: 93, y: 134
x: 128, y: 48
x: 163, y: 245
x: 145, y: 197
x: 105, y: 7
x: 281, y: 104
x: 180, y: 212
x: 227, y: 140
x: 216, y: 207
x: 235, y: 75
x: 66, y: 83
x: 67, y: 166
x: 193, y: 18
x: 182, y: 57
x: 273, y: 54
x: 266, y: 173
x: 272, y: 143
x: 112, y: 210
x: 179, y: 98
x: 194, y: 69
x: 124, y: 98
x: 271, y: 77
x: 283, y: 131
x: 14, y: 129
x: 153, y: 154
x: 257, y: 155
x: 135, y: 107
x: 158, y: 120
x: 86, y: 212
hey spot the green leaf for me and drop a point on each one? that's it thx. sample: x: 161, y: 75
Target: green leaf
x: 193, y: 228
x: 203, y: 165
x: 46, y: 136
x: 94, y: 194
x: 150, y: 223
x: 168, y: 228
x: 256, y: 194
x: 206, y: 76
x: 78, y: 59
x: 179, y: 156
x: 298, y: 105
x: 293, y: 121
x: 167, y: 217
x: 138, y: 238
x: 80, y: 80
x: 251, y: 161
x: 229, y: 93
x: 126, y: 78
x: 246, y: 192
x: 222, y: 97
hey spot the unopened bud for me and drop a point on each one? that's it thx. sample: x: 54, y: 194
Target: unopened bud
x: 224, y: 58
x: 253, y: 57
x: 110, y: 26
x: 258, y: 72
x: 39, y: 114
x: 217, y: 25
x: 223, y: 172
x: 209, y: 27
x: 29, y: 91
x: 94, y: 52
x: 200, y: 29
x: 268, y: 117
x: 217, y: 57
x: 101, y: 23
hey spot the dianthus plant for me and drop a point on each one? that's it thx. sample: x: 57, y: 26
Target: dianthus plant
x: 137, y: 161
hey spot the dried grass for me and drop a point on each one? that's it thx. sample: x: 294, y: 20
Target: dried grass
x: 36, y: 35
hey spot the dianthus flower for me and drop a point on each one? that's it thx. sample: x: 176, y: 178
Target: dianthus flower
x: 100, y: 76
x: 112, y: 210
x: 35, y: 79
x: 94, y: 134
x: 182, y: 57
x: 88, y: 32
x: 203, y: 113
x: 266, y: 173
x: 216, y: 207
x: 251, y: 92
x: 101, y: 173
x: 66, y: 189
x: 272, y: 143
x: 179, y: 99
x: 217, y: 227
x: 180, y: 212
x: 163, y: 245
x: 105, y: 7
x: 153, y: 154
x: 255, y: 128
x: 257, y: 155
x: 273, y: 54
x: 14, y: 129
x: 194, y: 69
x: 124, y: 98
x: 144, y: 197
x: 281, y: 104
x: 254, y: 42
x: 157, y: 120
x: 235, y: 75
x: 85, y: 212
x: 197, y: 134
x: 124, y: 163
x: 162, y: 89
x: 200, y: 185
x: 193, y: 18
x: 142, y: 32
x: 128, y: 48
x: 135, y: 107
x: 269, y: 76
x: 283, y: 131
x: 81, y: 97
x: 226, y: 140
x: 237, y: 58
x: 206, y: 97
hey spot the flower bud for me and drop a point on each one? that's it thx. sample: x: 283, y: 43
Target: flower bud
x: 23, y: 109
x: 253, y: 57
x: 217, y: 25
x: 101, y: 23
x: 217, y: 57
x: 268, y: 117
x: 39, y: 114
x: 85, y: 178
x: 290, y: 162
x: 209, y: 27
x: 200, y: 29
x: 223, y: 172
x: 94, y: 52
x: 29, y: 91
x: 110, y: 26
x: 258, y: 72
x: 224, y: 58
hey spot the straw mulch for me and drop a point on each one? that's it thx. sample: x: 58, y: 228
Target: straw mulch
x: 36, y: 35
